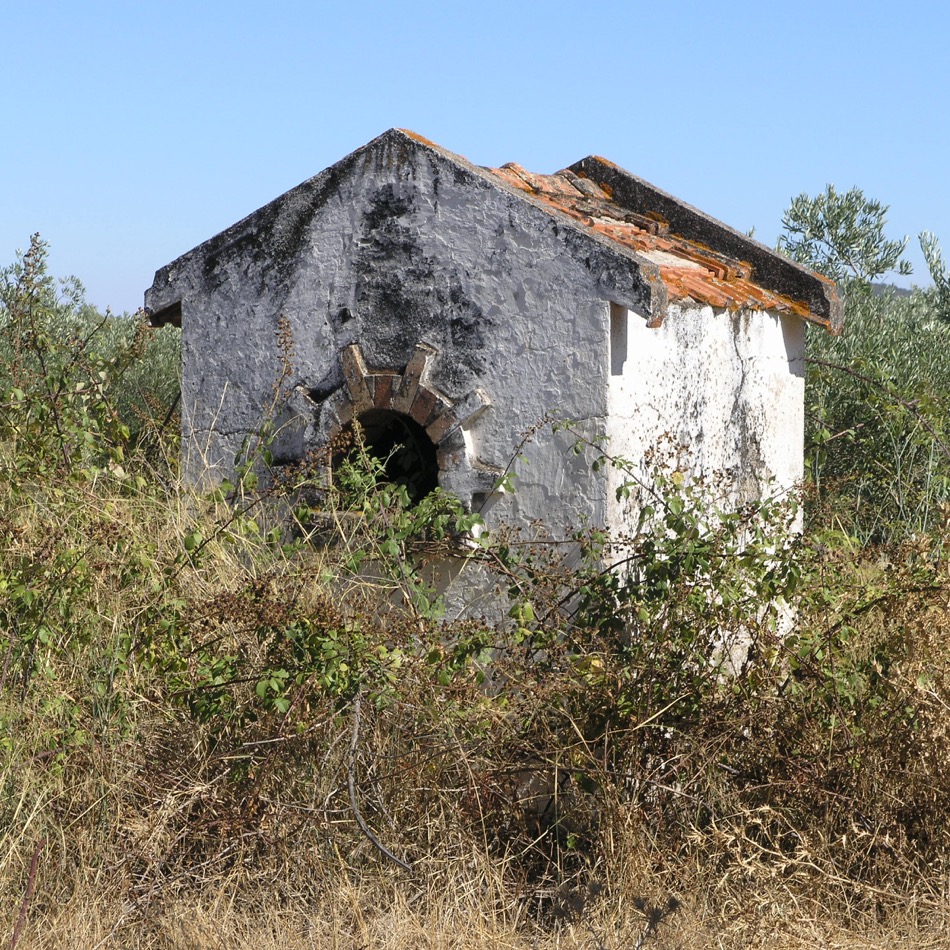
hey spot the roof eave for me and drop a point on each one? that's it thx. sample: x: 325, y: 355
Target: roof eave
x: 819, y: 296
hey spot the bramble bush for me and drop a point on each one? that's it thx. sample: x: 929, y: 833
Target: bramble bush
x: 711, y: 713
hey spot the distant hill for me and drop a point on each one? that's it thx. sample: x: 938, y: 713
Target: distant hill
x: 879, y: 290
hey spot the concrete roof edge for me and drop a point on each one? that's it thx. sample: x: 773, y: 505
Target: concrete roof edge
x: 158, y: 304
x: 770, y: 269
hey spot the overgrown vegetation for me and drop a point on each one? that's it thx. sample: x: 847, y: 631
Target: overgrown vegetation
x: 218, y: 732
x: 877, y: 426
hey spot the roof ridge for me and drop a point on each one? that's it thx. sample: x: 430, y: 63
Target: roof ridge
x: 647, y: 222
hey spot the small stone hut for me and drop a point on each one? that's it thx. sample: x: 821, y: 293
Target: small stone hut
x: 450, y: 308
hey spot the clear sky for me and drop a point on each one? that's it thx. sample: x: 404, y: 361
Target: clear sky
x: 133, y: 130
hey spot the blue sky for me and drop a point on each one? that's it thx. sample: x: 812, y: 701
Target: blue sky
x: 134, y: 131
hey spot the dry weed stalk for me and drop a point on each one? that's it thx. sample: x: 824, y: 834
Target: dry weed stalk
x: 180, y: 676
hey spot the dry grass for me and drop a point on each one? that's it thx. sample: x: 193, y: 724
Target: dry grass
x: 183, y: 764
x: 130, y: 859
x: 449, y: 910
x: 147, y: 827
x: 131, y: 820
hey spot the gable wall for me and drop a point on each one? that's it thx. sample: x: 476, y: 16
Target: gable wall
x: 399, y: 245
x: 404, y: 248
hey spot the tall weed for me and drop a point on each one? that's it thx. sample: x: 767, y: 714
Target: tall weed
x: 213, y: 726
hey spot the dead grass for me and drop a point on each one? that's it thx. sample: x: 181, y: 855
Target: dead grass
x: 536, y: 810
x: 437, y: 915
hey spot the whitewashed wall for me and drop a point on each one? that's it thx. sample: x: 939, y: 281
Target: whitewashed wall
x: 724, y: 389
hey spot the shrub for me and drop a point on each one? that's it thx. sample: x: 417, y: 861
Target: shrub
x: 81, y: 363
x: 878, y: 452
x: 193, y: 704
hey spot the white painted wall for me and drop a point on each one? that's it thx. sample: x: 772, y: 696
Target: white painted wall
x: 726, y: 389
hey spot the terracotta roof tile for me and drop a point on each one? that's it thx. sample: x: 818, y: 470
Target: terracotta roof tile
x: 688, y: 269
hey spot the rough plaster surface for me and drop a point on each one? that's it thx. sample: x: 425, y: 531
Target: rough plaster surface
x: 726, y: 387
x: 402, y: 249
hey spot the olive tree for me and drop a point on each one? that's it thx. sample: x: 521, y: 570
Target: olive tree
x: 842, y: 236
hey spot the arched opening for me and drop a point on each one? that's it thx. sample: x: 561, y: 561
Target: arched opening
x: 402, y: 446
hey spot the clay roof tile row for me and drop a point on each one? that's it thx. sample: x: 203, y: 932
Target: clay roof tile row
x: 689, y: 270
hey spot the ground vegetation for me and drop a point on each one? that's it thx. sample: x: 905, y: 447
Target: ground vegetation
x: 243, y: 718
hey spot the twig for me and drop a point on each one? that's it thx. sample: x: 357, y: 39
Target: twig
x: 28, y: 894
x: 351, y: 785
x: 171, y: 412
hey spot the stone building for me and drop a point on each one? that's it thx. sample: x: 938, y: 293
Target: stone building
x: 450, y: 308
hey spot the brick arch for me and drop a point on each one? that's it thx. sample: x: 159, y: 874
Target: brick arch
x: 411, y: 393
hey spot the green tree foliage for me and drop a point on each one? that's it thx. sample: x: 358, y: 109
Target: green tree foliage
x: 877, y: 423
x: 51, y: 337
x: 877, y: 418
x: 841, y: 236
x: 192, y: 704
x: 940, y: 293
